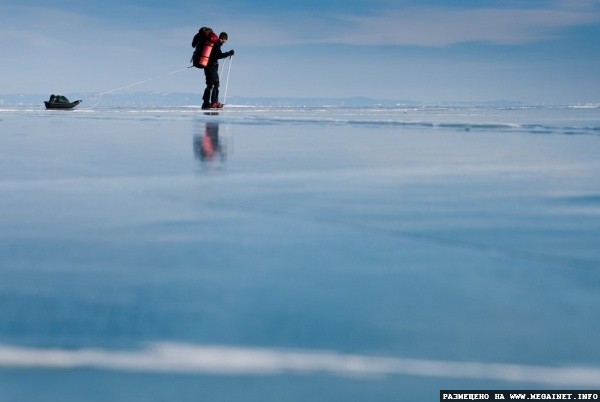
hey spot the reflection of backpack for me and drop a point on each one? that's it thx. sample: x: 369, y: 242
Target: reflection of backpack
x: 203, y: 42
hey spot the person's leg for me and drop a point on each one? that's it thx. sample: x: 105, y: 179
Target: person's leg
x: 207, y: 92
x: 212, y: 76
x: 215, y: 94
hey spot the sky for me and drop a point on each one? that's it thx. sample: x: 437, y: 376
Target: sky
x: 534, y: 51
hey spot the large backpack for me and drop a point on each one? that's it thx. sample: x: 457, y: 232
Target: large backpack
x: 203, y: 43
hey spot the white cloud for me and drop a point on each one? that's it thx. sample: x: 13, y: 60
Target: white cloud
x: 441, y: 27
x: 232, y: 360
x: 435, y: 26
x: 36, y: 27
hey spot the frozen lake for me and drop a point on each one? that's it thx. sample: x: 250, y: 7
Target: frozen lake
x: 323, y: 254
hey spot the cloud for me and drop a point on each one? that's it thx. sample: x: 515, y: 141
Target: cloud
x: 402, y: 25
x: 413, y: 26
x: 33, y: 24
x: 232, y: 360
x: 442, y: 27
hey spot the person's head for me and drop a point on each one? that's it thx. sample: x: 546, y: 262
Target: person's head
x: 223, y: 37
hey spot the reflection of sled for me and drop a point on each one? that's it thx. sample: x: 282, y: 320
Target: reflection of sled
x: 60, y: 102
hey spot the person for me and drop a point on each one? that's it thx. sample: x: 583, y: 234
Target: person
x: 211, y: 71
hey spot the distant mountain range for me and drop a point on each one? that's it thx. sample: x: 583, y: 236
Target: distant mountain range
x: 165, y: 99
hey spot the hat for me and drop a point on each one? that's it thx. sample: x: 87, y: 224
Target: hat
x: 223, y: 35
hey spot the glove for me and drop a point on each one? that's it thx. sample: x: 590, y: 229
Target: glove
x: 231, y: 52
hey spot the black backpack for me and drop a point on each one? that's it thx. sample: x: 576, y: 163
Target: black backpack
x: 199, y: 37
x: 198, y: 44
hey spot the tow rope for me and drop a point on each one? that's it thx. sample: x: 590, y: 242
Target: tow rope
x: 134, y: 84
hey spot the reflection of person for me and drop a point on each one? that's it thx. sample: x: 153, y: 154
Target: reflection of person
x: 207, y: 147
x: 211, y: 71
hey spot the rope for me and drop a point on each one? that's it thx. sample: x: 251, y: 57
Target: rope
x: 134, y: 84
x: 227, y: 81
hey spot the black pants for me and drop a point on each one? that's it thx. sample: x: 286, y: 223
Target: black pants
x: 211, y: 93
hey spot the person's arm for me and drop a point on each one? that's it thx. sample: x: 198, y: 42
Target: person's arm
x: 226, y: 54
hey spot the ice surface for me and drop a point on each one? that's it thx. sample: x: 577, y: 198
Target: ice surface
x: 433, y: 234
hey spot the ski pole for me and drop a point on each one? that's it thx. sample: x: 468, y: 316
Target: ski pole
x: 227, y: 80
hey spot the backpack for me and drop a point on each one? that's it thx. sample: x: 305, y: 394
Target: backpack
x: 203, y: 42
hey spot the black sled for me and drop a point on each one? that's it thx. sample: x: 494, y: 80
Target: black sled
x: 60, y: 102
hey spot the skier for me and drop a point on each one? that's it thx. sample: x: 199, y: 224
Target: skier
x: 211, y: 71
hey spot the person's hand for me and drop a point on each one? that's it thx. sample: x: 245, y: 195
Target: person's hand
x: 231, y: 53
